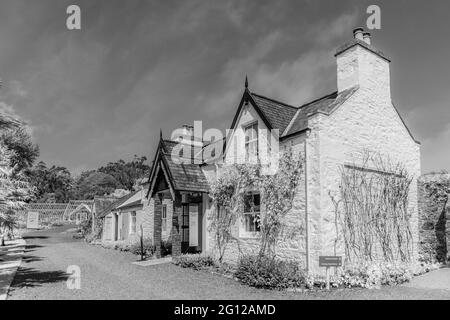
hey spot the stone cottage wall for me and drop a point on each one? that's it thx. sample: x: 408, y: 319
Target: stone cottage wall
x: 366, y: 122
x: 145, y: 217
x: 292, y: 246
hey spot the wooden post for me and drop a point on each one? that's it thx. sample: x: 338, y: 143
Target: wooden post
x: 328, y: 278
x: 93, y: 222
x: 142, y: 244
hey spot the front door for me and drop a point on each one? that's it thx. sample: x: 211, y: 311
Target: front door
x: 190, y: 241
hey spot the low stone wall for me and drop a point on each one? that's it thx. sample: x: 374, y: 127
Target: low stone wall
x: 434, y: 217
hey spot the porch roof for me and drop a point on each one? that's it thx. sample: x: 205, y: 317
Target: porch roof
x: 180, y: 176
x: 137, y: 204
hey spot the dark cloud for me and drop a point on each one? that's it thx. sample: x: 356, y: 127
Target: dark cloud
x: 103, y: 93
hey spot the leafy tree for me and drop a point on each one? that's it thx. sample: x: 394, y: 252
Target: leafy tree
x: 55, y: 180
x: 14, y: 191
x: 25, y: 151
x: 126, y: 173
x: 93, y: 183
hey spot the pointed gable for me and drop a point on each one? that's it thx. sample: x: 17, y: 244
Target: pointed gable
x: 278, y: 114
x: 288, y: 119
x: 177, y: 176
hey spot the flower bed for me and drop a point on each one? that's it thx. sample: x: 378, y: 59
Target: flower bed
x: 269, y: 273
x: 194, y: 261
x: 272, y: 273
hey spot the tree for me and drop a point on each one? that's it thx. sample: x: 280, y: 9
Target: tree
x: 14, y: 191
x: 93, y: 183
x: 8, y: 122
x: 55, y: 180
x: 25, y: 151
x: 126, y: 173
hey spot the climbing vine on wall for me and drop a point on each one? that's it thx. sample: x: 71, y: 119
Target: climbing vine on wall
x: 374, y: 213
x: 435, y: 189
x: 277, y: 193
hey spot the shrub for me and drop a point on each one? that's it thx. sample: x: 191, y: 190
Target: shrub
x: 57, y: 224
x: 85, y: 228
x: 194, y: 261
x: 269, y: 273
x: 148, y: 247
x: 166, y: 247
x: 371, y: 275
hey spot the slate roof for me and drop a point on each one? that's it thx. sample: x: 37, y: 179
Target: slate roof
x: 289, y: 119
x: 326, y: 105
x: 136, y: 203
x: 185, y: 177
x: 277, y: 113
x: 115, y: 204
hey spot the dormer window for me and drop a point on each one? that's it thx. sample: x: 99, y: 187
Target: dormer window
x: 251, y: 142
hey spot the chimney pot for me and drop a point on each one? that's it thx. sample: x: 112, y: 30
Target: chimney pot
x: 367, y: 38
x: 358, y: 34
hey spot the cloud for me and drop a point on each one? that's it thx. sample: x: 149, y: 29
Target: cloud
x: 8, y: 109
x: 296, y: 80
x: 16, y: 88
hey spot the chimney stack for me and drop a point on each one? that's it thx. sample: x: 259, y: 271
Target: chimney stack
x: 367, y: 38
x: 361, y: 65
x: 358, y: 34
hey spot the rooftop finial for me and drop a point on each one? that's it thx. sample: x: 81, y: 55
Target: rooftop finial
x: 160, y: 133
x: 246, y: 82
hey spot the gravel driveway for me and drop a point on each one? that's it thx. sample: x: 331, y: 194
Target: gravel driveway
x: 110, y: 274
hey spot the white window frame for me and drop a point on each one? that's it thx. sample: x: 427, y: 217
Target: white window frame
x: 164, y: 217
x: 133, y: 214
x: 243, y: 233
x: 253, y: 140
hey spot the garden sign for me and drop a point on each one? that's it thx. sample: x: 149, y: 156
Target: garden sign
x: 33, y: 220
x: 328, y: 262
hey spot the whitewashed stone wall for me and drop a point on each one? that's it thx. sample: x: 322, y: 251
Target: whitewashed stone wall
x: 363, y: 123
x: 293, y: 245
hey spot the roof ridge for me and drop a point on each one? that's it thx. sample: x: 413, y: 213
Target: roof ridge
x: 273, y: 100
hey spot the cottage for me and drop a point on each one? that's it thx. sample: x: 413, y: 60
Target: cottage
x: 123, y: 218
x: 329, y: 133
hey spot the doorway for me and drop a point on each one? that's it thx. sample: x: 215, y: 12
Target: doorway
x: 185, y: 228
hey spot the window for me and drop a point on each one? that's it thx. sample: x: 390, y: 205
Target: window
x: 133, y: 222
x: 164, y: 217
x: 252, y: 209
x: 251, y: 142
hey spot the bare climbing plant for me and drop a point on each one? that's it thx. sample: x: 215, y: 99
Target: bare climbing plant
x: 374, y: 214
x: 277, y: 193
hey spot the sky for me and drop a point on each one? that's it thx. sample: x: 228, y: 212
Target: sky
x: 103, y: 93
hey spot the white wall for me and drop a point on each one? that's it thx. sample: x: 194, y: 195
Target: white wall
x: 367, y: 121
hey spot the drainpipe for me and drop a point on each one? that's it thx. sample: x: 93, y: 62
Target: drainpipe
x: 308, y: 250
